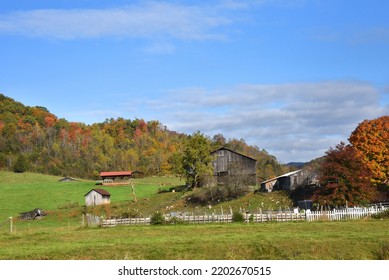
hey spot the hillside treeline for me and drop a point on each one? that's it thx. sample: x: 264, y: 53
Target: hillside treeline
x: 47, y: 144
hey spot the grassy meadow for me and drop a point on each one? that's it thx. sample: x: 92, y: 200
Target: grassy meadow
x: 60, y: 235
x: 352, y: 240
x: 25, y: 191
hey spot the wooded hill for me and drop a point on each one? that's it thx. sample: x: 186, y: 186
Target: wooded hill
x: 38, y: 141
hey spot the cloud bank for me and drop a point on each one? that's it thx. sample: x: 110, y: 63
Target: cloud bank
x: 141, y: 20
x: 295, y: 122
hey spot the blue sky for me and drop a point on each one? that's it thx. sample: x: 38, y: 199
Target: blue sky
x: 292, y: 77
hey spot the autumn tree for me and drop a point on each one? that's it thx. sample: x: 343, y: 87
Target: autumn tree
x: 196, y: 160
x: 371, y: 138
x: 55, y: 146
x: 344, y: 178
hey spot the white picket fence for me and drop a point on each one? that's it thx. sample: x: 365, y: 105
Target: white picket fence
x: 287, y: 216
x: 344, y: 214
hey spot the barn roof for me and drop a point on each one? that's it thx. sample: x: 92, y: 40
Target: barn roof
x: 281, y: 176
x: 100, y: 191
x: 115, y: 173
x: 223, y: 148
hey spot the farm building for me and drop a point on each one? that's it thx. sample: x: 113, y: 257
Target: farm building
x: 116, y: 177
x: 97, y: 197
x: 137, y: 174
x: 289, y: 181
x: 67, y: 179
x: 229, y: 163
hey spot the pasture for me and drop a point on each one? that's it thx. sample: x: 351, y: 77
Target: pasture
x: 351, y: 240
x: 60, y: 235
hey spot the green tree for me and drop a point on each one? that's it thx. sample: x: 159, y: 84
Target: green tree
x: 20, y: 164
x: 196, y: 161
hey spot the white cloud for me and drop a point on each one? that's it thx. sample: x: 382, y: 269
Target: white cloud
x: 148, y: 19
x: 295, y: 122
x: 160, y: 48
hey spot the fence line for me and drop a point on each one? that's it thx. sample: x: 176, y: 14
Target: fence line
x: 344, y: 214
x: 10, y: 222
x: 127, y: 221
x: 4, y: 223
x: 286, y: 216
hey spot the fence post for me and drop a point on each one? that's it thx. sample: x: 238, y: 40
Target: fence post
x: 11, y: 225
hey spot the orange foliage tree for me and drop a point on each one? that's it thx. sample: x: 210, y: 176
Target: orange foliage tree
x: 371, y: 138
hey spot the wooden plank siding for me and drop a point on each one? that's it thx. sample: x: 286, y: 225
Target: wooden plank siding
x: 228, y: 162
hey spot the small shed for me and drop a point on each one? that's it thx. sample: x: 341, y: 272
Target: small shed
x: 67, y: 179
x: 288, y: 181
x: 97, y: 197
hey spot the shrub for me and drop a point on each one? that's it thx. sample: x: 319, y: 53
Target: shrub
x: 157, y: 219
x: 175, y: 221
x: 381, y: 215
x: 20, y: 165
x: 238, y: 217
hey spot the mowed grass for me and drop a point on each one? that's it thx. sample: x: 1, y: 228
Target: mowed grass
x: 348, y: 240
x: 20, y: 192
x: 60, y: 235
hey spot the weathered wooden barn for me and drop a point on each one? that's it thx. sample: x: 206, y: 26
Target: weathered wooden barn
x: 288, y: 181
x: 97, y: 197
x: 230, y: 163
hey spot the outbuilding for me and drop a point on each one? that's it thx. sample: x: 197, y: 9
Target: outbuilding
x: 113, y: 178
x: 97, y: 197
x: 67, y: 179
x: 288, y: 181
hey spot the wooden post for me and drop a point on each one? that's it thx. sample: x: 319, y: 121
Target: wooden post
x: 11, y: 225
x: 133, y: 191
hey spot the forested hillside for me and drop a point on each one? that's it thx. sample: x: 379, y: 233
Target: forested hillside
x: 42, y: 142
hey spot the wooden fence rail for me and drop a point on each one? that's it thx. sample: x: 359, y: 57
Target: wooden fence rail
x: 333, y: 215
x: 127, y: 222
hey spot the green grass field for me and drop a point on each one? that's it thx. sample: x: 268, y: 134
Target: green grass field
x: 352, y: 240
x: 60, y: 235
x: 26, y: 191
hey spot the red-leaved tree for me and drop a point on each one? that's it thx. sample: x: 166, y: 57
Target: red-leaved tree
x: 344, y: 178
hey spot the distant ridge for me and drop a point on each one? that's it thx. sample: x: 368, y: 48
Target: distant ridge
x: 297, y: 164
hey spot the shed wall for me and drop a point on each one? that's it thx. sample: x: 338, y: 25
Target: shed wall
x: 94, y: 198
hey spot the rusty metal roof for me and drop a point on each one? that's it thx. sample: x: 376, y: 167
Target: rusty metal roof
x: 115, y: 174
x: 100, y: 191
x: 226, y: 149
